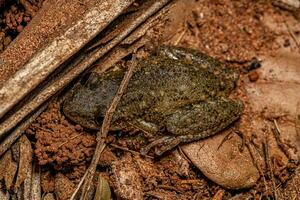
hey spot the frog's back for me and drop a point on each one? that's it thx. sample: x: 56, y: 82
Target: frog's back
x: 160, y: 84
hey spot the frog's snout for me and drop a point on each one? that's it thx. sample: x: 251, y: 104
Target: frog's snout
x: 79, y: 112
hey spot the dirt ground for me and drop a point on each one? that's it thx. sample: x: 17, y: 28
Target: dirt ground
x: 239, y: 33
x: 14, y: 17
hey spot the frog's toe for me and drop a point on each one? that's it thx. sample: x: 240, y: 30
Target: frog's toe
x: 161, y: 145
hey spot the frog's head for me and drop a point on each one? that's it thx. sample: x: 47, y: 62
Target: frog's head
x: 86, y: 104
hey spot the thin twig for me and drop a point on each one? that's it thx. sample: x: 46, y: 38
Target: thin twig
x: 43, y: 129
x: 226, y: 138
x: 180, y: 37
x: 189, y: 181
x: 78, y: 186
x: 292, y: 35
x: 69, y: 139
x: 219, y: 195
x: 252, y: 154
x: 131, y: 151
x: 168, y: 187
x: 101, y: 135
x: 180, y: 151
x: 279, y: 141
x: 147, y: 134
x: 280, y: 184
x: 254, y: 160
x: 269, y: 165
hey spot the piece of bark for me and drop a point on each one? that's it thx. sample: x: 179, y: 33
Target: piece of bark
x: 4, y: 161
x: 56, y: 51
x: 25, y: 161
x: 10, y: 173
x: 15, y: 150
x: 27, y: 184
x: 4, y: 195
x: 36, y: 183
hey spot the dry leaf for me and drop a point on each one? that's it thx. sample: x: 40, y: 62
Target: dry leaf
x: 126, y: 179
x: 103, y: 190
x: 49, y: 196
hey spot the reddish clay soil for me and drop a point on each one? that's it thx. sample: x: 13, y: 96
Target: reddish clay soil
x: 61, y: 145
x: 14, y: 18
x: 231, y: 31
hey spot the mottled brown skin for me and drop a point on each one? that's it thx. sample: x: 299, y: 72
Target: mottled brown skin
x: 177, y: 95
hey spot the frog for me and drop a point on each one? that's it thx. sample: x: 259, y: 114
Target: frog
x: 175, y: 95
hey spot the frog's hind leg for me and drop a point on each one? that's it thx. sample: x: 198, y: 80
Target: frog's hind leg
x: 194, y: 122
x: 203, y: 119
x: 161, y: 145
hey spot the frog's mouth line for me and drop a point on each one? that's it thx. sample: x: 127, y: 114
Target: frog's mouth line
x: 84, y: 121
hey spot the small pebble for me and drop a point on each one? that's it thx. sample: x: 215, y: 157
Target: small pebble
x: 20, y: 28
x: 27, y: 19
x: 253, y: 76
x: 286, y: 43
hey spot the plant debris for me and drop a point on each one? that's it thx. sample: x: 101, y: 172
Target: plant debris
x: 237, y: 32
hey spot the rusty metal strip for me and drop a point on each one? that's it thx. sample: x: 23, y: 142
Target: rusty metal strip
x: 59, y: 50
x: 81, y: 64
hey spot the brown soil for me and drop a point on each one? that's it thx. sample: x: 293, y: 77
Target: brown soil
x: 14, y: 18
x: 229, y: 30
x: 61, y: 145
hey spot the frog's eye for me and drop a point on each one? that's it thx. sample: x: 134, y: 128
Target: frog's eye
x: 93, y: 81
x: 85, y: 78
